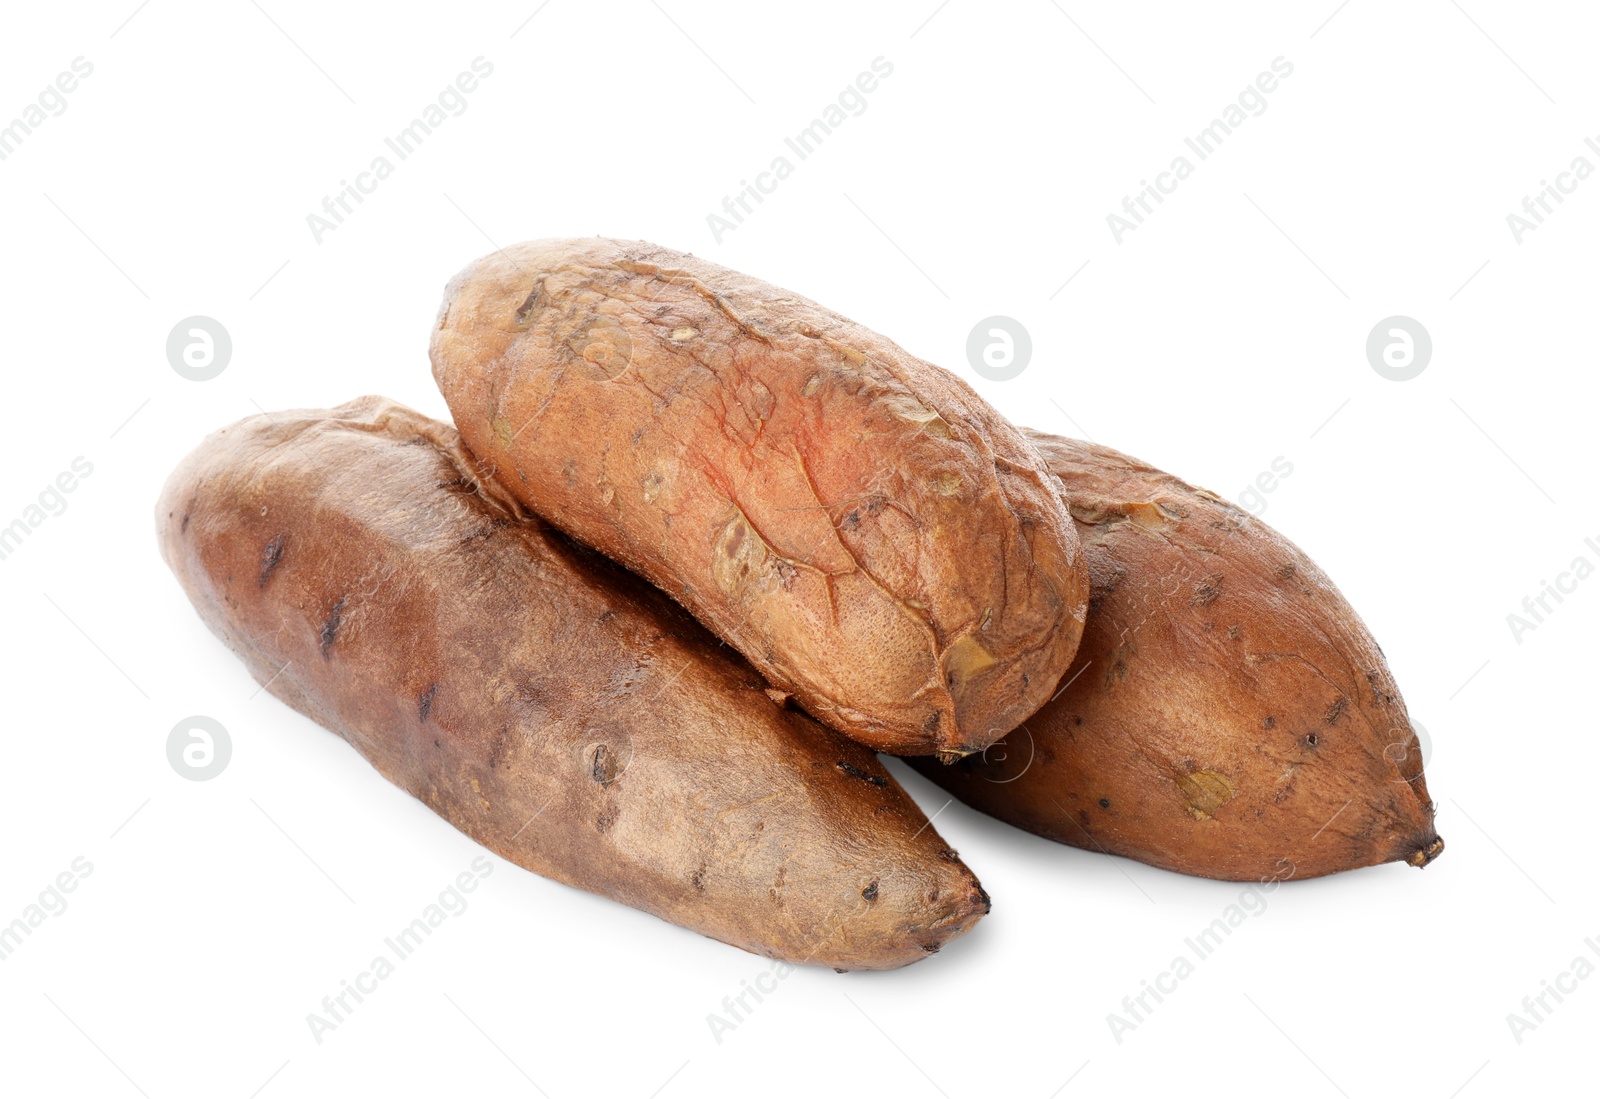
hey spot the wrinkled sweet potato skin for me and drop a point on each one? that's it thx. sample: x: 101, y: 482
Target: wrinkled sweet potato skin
x: 1227, y: 715
x: 558, y: 711
x: 858, y: 523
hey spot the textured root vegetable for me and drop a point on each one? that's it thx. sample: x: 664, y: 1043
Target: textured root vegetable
x: 558, y: 711
x: 869, y: 533
x: 1227, y: 715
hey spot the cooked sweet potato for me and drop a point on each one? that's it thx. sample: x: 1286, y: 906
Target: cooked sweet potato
x: 858, y: 523
x: 1228, y: 714
x: 557, y: 710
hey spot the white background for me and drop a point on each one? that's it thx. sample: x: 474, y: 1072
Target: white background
x: 1221, y: 334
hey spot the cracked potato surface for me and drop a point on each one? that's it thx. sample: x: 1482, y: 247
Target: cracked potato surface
x: 858, y: 523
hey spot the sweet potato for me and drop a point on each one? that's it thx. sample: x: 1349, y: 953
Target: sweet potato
x: 858, y: 523
x: 1227, y: 715
x: 555, y: 709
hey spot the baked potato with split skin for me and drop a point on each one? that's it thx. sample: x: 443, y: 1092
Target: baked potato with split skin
x: 557, y: 710
x: 858, y: 523
x: 1227, y: 715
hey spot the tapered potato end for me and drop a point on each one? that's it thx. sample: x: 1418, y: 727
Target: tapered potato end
x: 1426, y: 853
x: 1227, y: 714
x: 925, y: 916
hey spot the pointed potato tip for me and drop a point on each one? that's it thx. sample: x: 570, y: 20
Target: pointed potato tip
x: 1426, y: 853
x: 964, y: 916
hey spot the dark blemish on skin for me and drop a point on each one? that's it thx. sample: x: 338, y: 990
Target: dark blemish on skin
x: 870, y: 893
x: 330, y: 628
x: 526, y: 309
x: 699, y: 878
x: 1333, y: 713
x: 1311, y: 740
x: 436, y: 744
x: 1102, y: 585
x: 425, y: 703
x: 1286, y: 572
x: 1270, y: 722
x: 605, y: 820
x: 948, y: 856
x: 270, y: 556
x: 1077, y: 720
x: 606, y: 616
x: 850, y: 522
x: 1118, y: 669
x: 855, y: 772
x: 1105, y: 803
x: 189, y: 510
x: 604, y: 769
x: 1207, y: 590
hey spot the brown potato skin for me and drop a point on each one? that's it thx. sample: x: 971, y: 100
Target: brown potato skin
x: 1228, y: 714
x: 858, y: 523
x: 560, y: 712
